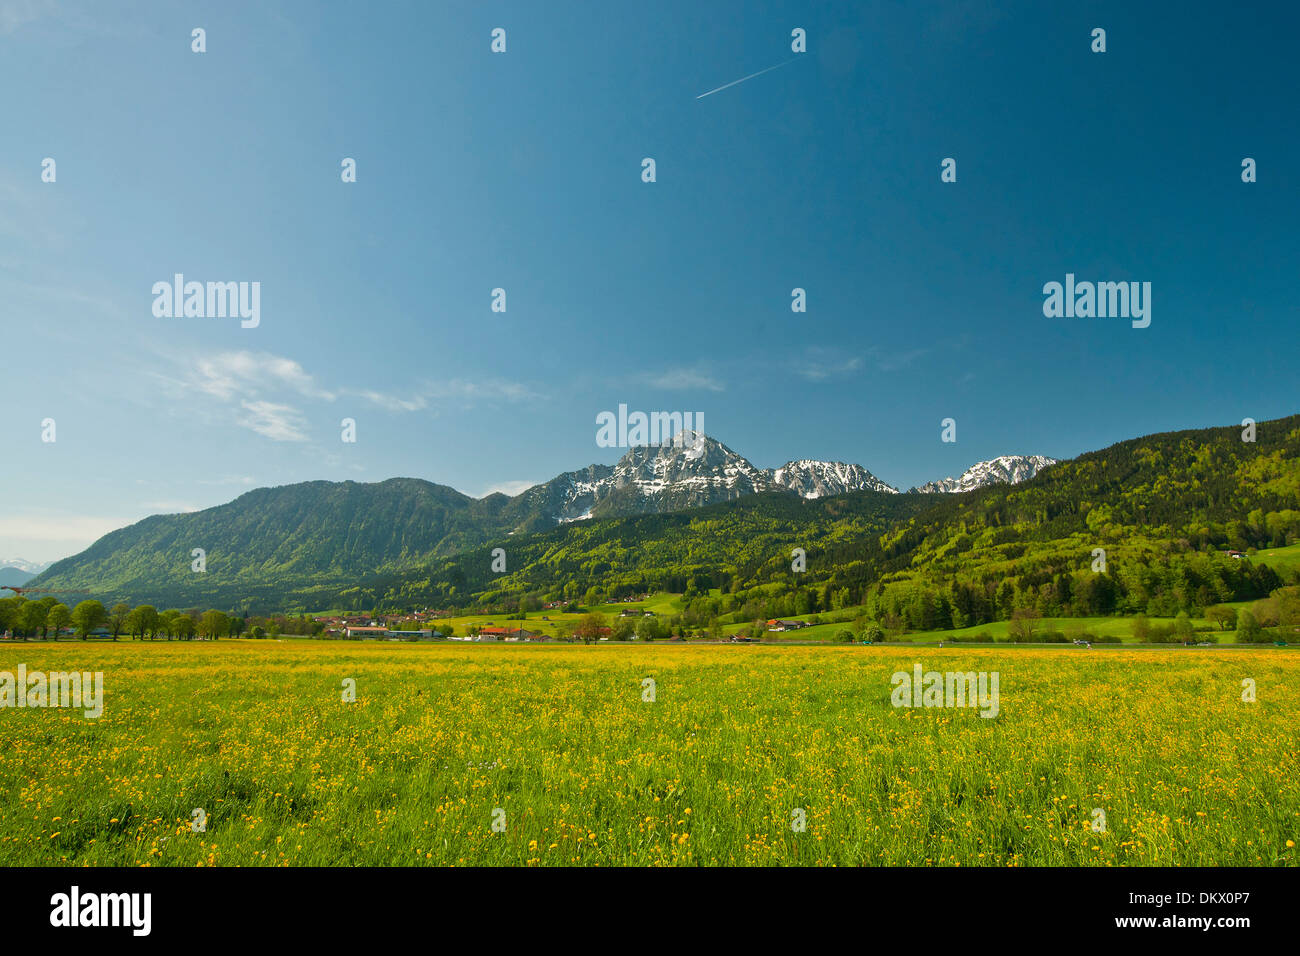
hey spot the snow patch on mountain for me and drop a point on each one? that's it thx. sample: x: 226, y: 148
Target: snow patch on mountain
x: 1007, y: 469
x: 810, y: 478
x: 691, y: 471
x: 694, y: 470
x: 31, y: 567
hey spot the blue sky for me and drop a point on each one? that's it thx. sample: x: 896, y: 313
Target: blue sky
x: 522, y: 171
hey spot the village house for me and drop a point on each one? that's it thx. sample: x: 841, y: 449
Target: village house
x: 779, y: 625
x: 508, y: 634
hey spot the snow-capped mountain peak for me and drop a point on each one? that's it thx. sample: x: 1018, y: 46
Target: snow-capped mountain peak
x: 810, y: 478
x: 1006, y: 469
x: 693, y: 470
x: 31, y: 567
x: 691, y: 467
x: 690, y: 471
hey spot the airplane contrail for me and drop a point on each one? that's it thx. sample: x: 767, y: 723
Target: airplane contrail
x: 744, y: 78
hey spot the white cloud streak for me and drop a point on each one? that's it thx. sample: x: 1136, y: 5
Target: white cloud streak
x: 273, y: 420
x: 684, y: 379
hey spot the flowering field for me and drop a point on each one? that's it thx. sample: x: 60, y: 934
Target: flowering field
x: 246, y: 753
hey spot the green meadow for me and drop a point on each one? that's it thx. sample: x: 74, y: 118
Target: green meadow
x: 549, y: 755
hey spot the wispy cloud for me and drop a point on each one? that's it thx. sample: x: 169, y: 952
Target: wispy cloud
x: 230, y: 373
x: 489, y: 388
x: 820, y: 364
x: 16, y: 13
x: 893, y: 361
x: 263, y: 392
x: 462, y: 393
x: 684, y: 379
x: 395, y: 403
x: 250, y: 386
x: 273, y: 420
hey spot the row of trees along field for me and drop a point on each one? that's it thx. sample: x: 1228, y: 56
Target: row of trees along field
x: 47, y: 617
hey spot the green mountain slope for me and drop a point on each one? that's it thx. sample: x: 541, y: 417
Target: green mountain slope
x: 1163, y: 508
x: 10, y: 575
x: 751, y: 538
x: 293, y: 536
x: 1143, y: 526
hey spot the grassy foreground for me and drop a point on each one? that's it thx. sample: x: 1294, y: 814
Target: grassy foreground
x: 711, y: 772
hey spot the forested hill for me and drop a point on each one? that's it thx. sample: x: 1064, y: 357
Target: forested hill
x: 750, y: 539
x: 1163, y: 509
x: 1206, y: 487
x: 282, y: 538
x: 1144, y: 526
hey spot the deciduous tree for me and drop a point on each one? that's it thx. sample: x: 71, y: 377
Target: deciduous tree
x: 57, y: 618
x: 87, y: 616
